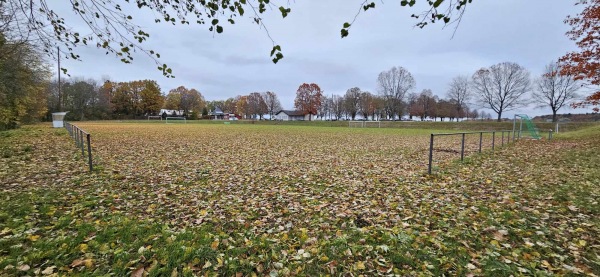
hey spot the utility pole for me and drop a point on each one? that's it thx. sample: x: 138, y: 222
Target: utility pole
x: 59, y: 93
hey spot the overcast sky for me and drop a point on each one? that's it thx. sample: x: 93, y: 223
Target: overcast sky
x: 236, y: 62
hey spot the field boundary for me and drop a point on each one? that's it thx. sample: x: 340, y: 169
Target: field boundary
x: 462, y: 148
x: 78, y: 135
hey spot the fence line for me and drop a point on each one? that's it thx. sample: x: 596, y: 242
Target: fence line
x: 81, y: 137
x: 462, y: 147
x: 462, y: 144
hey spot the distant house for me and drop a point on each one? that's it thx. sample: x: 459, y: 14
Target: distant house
x: 287, y: 115
x: 217, y: 114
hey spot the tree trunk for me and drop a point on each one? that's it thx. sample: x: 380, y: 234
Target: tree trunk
x: 500, y: 117
x: 554, y: 118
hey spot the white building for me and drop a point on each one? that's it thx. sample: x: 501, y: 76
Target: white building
x: 286, y: 115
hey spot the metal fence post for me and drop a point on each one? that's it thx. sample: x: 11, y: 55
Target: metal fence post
x: 550, y: 135
x: 480, y: 141
x: 430, y: 153
x: 76, y: 138
x: 462, y: 148
x: 82, y: 145
x: 493, y: 140
x: 89, y: 146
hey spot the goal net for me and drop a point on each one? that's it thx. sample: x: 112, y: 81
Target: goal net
x: 364, y: 124
x: 356, y: 124
x: 172, y: 119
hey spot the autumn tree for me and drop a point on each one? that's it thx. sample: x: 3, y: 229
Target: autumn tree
x: 80, y: 97
x: 502, y: 87
x: 424, y: 105
x: 105, y: 91
x: 151, y: 98
x: 121, y: 99
x: 172, y: 100
x: 23, y: 80
x: 257, y: 106
x: 192, y: 101
x: 585, y: 63
x: 229, y: 106
x: 272, y: 102
x: 186, y: 100
x: 459, y: 93
x: 308, y: 99
x: 241, y: 106
x: 555, y: 90
x: 136, y: 98
x: 393, y: 85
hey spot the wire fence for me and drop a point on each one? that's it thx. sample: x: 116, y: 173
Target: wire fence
x: 83, y: 140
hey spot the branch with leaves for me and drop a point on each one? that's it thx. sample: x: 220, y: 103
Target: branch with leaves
x: 110, y: 25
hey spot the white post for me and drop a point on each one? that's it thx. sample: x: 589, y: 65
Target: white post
x: 520, y: 126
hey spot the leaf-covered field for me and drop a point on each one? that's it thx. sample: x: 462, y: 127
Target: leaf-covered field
x: 245, y: 200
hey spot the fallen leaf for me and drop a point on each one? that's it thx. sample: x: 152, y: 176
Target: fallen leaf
x: 214, y: 245
x: 138, y: 272
x: 88, y: 263
x: 76, y: 263
x: 49, y: 270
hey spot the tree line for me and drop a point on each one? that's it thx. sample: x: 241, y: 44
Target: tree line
x: 88, y: 99
x: 252, y: 106
x: 501, y: 87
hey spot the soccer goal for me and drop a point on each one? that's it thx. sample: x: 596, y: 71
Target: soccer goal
x: 155, y: 117
x: 364, y: 124
x: 373, y: 124
x: 356, y: 124
x: 172, y: 119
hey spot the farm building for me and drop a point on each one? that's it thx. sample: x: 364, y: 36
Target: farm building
x: 287, y: 115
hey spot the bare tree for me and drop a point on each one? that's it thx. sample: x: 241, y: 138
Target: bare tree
x: 555, y: 90
x: 393, y: 85
x: 272, y: 101
x: 366, y: 105
x: 337, y: 106
x: 459, y: 94
x: 325, y: 108
x: 502, y: 87
x: 351, y: 101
